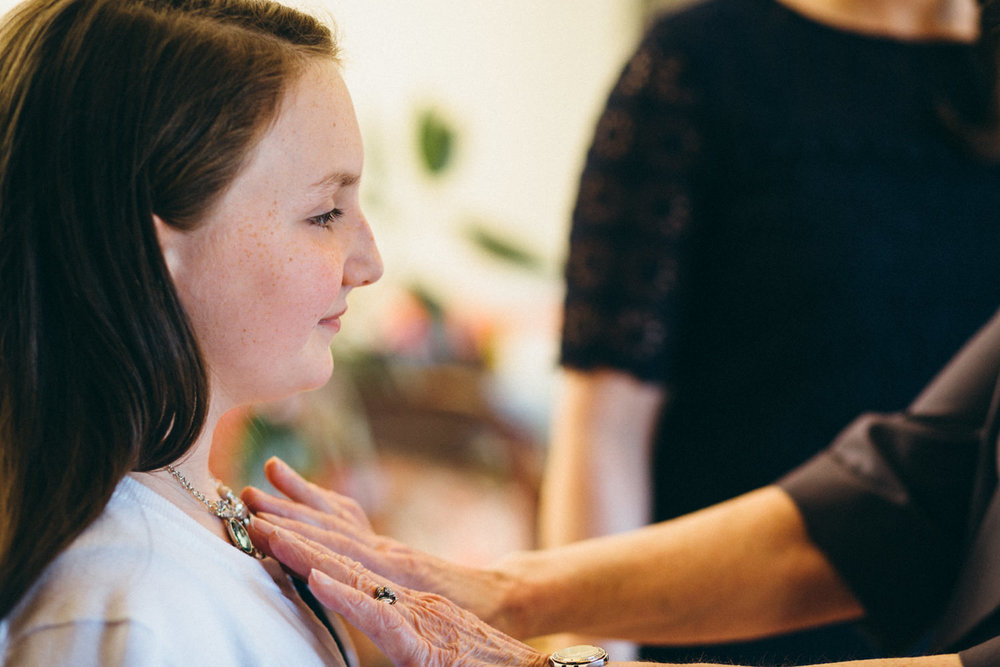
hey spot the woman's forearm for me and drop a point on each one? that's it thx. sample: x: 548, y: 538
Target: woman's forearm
x: 741, y: 569
x: 744, y: 568
x: 425, y: 629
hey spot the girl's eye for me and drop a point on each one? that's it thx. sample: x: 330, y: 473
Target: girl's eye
x: 326, y: 219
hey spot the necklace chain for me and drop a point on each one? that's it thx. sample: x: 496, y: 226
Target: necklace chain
x: 229, y: 508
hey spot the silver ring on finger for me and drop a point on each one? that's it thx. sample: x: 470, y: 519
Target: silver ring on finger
x: 385, y: 594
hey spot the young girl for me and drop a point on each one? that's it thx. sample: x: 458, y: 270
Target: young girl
x: 179, y: 231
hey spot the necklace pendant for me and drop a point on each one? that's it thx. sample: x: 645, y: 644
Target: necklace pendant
x: 229, y: 508
x: 239, y: 536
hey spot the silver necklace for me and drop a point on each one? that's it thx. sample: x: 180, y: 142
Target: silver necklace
x: 229, y: 508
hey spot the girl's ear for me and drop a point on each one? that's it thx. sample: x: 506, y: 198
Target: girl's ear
x: 169, y: 237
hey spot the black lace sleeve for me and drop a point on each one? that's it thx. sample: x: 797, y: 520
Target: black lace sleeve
x: 634, y: 206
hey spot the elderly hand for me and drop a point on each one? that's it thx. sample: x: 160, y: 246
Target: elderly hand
x: 418, y: 629
x: 338, y: 524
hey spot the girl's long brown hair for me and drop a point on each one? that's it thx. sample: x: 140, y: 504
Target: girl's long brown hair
x: 111, y: 111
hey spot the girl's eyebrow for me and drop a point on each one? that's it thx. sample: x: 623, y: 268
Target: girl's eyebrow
x: 337, y: 179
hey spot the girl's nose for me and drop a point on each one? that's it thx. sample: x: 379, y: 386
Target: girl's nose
x: 364, y: 266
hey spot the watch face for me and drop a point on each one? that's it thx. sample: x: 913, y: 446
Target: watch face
x: 579, y: 656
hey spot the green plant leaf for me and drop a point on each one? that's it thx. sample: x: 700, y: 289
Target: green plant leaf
x: 436, y: 141
x: 504, y: 249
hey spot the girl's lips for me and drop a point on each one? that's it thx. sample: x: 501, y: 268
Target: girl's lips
x: 332, y: 322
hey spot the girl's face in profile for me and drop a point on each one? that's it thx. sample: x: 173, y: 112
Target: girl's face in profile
x: 265, y: 277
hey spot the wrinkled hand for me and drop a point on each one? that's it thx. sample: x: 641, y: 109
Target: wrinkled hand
x: 339, y: 524
x: 418, y: 630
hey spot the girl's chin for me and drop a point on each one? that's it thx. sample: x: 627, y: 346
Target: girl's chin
x: 322, y: 375
x: 309, y: 375
x: 275, y: 395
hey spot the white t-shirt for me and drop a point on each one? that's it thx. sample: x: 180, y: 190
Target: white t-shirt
x: 146, y: 584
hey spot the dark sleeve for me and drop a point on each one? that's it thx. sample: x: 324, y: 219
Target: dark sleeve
x: 894, y: 499
x: 986, y: 654
x: 632, y: 211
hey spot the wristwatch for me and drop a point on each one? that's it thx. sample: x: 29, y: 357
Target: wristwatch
x: 582, y: 655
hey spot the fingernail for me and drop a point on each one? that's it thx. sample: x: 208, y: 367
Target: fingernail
x: 272, y: 530
x: 320, y: 577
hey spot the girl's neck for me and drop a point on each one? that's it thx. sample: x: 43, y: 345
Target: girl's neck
x: 946, y: 20
x: 194, y: 467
